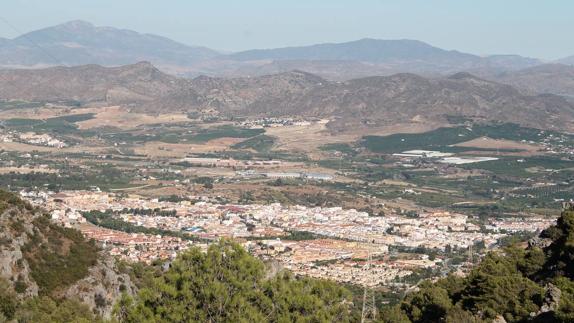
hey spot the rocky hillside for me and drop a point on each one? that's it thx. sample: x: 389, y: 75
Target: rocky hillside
x: 41, y: 259
x: 364, y: 102
x: 407, y: 97
x: 89, y: 83
x: 379, y: 101
x: 548, y: 78
x: 516, y: 284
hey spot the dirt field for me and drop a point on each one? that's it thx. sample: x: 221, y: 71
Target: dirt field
x: 308, y: 139
x: 162, y: 149
x: 25, y: 148
x: 489, y: 143
x: 113, y: 116
x: 39, y: 113
x: 121, y: 118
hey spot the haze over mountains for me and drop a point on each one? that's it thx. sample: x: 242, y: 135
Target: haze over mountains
x: 391, y: 55
x: 379, y: 83
x: 80, y: 43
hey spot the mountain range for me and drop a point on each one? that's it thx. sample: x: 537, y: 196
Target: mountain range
x: 355, y: 104
x: 387, y: 57
x: 567, y: 60
x: 81, y: 43
x: 364, y: 83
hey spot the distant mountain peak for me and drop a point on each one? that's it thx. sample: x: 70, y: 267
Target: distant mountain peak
x: 143, y: 64
x: 371, y: 50
x: 79, y: 42
x: 301, y: 73
x: 463, y: 75
x: 76, y: 24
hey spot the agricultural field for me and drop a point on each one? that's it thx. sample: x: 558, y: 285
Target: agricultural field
x: 113, y: 148
x: 447, y: 138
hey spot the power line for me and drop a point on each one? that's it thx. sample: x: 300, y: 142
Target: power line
x: 369, y: 312
x: 23, y: 35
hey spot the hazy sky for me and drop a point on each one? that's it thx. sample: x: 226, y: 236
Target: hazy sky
x: 537, y: 28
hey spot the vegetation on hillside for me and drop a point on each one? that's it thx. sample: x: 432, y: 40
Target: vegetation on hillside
x: 226, y: 284
x: 57, y: 256
x: 533, y: 284
x: 53, y: 256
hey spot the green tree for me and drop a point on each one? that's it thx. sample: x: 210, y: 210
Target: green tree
x: 561, y: 251
x: 394, y: 314
x: 226, y: 284
x: 429, y: 304
x: 498, y: 287
x: 45, y: 309
x: 8, y: 301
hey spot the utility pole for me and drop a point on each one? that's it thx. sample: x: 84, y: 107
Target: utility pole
x: 369, y: 313
x: 470, y: 254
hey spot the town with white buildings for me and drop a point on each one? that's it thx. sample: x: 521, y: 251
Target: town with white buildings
x: 337, y: 240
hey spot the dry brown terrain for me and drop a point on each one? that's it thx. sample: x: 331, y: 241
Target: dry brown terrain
x: 309, y: 138
x: 43, y: 113
x: 161, y: 149
x: 113, y: 116
x: 25, y: 148
x: 124, y: 119
x: 489, y: 143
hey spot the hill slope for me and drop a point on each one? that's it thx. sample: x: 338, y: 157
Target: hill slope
x: 41, y: 259
x: 404, y: 97
x: 88, y: 83
x: 511, y: 285
x: 364, y: 102
x: 547, y: 78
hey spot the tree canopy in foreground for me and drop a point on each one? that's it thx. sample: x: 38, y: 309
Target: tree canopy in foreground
x: 226, y: 284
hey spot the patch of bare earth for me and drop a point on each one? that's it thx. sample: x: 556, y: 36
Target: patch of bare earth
x: 309, y: 138
x: 489, y: 143
x: 120, y: 117
x: 162, y: 149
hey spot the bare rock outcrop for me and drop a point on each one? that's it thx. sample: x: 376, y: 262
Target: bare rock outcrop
x: 104, y: 285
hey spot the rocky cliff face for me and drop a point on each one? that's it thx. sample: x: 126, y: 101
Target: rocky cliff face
x: 15, y: 229
x: 39, y: 258
x: 102, y: 287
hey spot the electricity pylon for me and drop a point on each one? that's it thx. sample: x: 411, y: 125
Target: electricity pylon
x: 369, y: 313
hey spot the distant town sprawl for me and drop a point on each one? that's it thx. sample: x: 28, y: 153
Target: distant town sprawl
x: 333, y: 242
